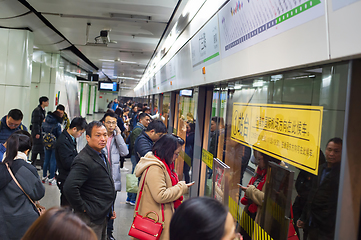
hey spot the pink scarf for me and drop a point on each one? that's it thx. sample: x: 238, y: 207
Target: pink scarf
x: 174, y: 177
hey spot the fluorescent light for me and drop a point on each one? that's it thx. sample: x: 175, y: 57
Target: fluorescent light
x: 127, y: 62
x: 106, y: 60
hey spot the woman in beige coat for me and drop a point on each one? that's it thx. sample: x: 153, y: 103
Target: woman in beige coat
x: 254, y: 192
x: 161, y: 184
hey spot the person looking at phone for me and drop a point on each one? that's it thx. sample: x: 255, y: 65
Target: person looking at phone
x: 254, y: 192
x: 161, y: 183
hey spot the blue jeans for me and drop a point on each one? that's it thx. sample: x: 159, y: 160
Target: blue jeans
x: 49, y: 163
x: 132, y: 196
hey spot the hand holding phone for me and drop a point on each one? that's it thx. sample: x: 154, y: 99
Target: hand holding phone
x: 190, y: 184
x: 242, y: 187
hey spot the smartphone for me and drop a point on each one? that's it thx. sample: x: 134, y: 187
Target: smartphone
x: 239, y: 185
x: 192, y: 182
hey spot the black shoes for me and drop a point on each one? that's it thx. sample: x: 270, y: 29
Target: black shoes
x: 110, y: 237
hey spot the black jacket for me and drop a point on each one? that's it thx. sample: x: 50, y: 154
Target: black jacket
x: 65, y: 152
x: 37, y: 118
x: 142, y: 145
x: 17, y: 213
x: 89, y: 186
x: 322, y: 200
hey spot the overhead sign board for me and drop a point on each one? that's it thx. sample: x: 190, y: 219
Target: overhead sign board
x: 291, y: 133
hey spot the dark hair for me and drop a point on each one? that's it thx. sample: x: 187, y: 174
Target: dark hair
x: 90, y: 126
x: 119, y: 112
x: 336, y: 140
x: 60, y: 107
x: 126, y: 109
x: 140, y: 106
x: 15, y: 114
x: 109, y: 114
x: 215, y: 119
x: 78, y: 122
x: 15, y: 143
x: 199, y: 218
x: 43, y: 99
x: 51, y: 226
x: 165, y: 147
x: 192, y: 126
x: 143, y: 115
x: 158, y: 126
x: 57, y: 114
x: 26, y: 133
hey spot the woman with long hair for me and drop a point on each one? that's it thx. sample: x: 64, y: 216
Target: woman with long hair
x: 19, y: 181
x: 59, y: 224
x: 162, y: 189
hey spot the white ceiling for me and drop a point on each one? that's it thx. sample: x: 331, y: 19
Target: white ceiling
x: 136, y: 40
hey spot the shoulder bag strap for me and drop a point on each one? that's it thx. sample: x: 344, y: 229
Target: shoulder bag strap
x: 17, y: 183
x: 140, y: 195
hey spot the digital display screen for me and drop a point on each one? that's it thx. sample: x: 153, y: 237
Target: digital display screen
x: 186, y: 93
x: 108, y: 86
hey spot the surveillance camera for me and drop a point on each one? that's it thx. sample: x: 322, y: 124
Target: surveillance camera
x: 104, y: 34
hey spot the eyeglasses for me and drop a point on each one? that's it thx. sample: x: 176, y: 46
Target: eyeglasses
x: 13, y: 125
x: 111, y: 123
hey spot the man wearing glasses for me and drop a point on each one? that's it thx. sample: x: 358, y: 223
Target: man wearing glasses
x: 10, y: 124
x: 114, y: 149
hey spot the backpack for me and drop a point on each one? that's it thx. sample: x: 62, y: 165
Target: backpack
x: 49, y: 140
x: 109, y: 104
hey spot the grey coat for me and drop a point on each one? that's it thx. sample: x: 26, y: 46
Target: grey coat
x: 17, y: 213
x: 118, y: 149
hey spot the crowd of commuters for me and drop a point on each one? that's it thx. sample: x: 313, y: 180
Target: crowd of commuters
x: 89, y: 180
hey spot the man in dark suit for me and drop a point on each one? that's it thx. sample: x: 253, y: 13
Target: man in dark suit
x: 65, y: 152
x: 89, y: 186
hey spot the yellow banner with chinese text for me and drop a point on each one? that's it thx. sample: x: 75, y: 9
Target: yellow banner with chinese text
x: 291, y: 133
x: 207, y: 158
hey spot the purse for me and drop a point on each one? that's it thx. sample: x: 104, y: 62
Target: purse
x: 131, y: 183
x: 145, y: 228
x: 292, y: 235
x: 41, y: 210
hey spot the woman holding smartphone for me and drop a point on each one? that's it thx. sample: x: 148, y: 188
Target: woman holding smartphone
x: 162, y: 190
x: 254, y: 192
